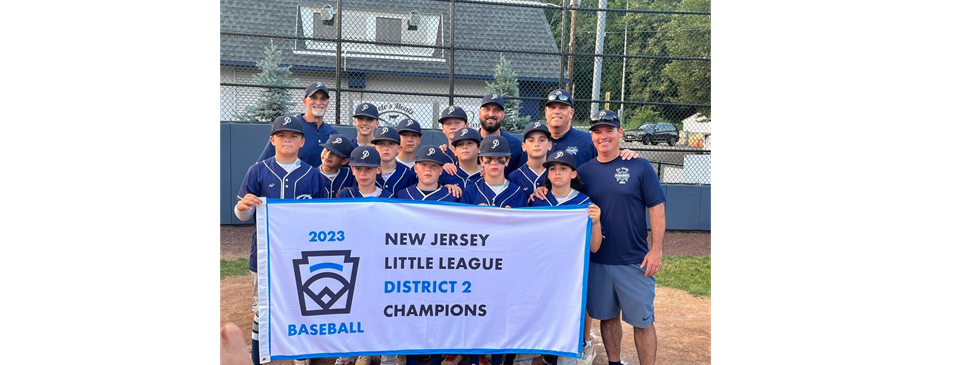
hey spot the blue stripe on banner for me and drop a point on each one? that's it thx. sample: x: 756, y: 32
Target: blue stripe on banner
x: 586, y: 273
x: 428, y: 352
x: 396, y: 201
x: 326, y: 265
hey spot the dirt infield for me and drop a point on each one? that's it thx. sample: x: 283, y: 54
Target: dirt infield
x: 683, y: 320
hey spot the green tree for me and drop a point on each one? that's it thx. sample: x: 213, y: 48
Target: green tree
x: 690, y: 36
x: 274, y: 99
x: 505, y: 83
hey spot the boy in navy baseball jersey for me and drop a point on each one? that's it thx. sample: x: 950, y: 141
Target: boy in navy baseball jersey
x: 466, y: 144
x: 429, y: 169
x: 494, y: 189
x: 451, y: 120
x: 536, y: 144
x: 282, y: 176
x: 563, y: 183
x: 335, y: 175
x: 365, y: 165
x: 366, y: 118
x: 410, y: 135
x: 393, y: 176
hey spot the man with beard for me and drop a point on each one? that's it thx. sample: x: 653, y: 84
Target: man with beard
x: 491, y: 118
x: 315, y: 131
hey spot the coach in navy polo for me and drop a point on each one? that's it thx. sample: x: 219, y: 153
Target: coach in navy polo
x: 315, y: 132
x: 559, y: 117
x: 491, y: 118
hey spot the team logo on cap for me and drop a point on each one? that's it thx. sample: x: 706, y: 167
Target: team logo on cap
x: 559, y: 154
x: 338, y: 140
x: 286, y: 120
x: 558, y: 93
x: 364, y: 107
x: 304, y: 196
x: 325, y: 281
x: 451, y: 109
x: 384, y: 130
x: 410, y: 122
x: 536, y: 125
x: 365, y: 155
x: 496, y: 143
x: 431, y: 151
x: 494, y: 96
x: 463, y: 132
x: 603, y: 113
x: 319, y: 84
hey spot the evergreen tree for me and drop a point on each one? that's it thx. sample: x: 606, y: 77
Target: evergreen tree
x: 274, y: 99
x: 505, y: 83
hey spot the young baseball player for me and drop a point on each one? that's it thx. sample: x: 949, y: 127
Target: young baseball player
x: 451, y: 120
x: 365, y: 165
x: 366, y: 118
x: 410, y: 135
x: 429, y: 169
x: 562, y: 182
x: 282, y: 176
x: 335, y: 175
x: 393, y: 176
x: 466, y: 142
x: 494, y: 189
x: 536, y: 144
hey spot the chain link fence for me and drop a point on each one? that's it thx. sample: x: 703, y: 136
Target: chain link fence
x: 648, y: 61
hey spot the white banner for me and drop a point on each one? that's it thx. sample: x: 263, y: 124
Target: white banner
x: 387, y: 277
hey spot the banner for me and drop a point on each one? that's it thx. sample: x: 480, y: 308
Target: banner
x: 349, y: 277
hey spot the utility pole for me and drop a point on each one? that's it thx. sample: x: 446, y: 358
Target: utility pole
x: 623, y: 78
x: 573, y: 37
x: 597, y: 60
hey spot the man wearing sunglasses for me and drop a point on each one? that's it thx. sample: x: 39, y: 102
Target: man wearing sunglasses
x: 559, y: 117
x: 315, y: 132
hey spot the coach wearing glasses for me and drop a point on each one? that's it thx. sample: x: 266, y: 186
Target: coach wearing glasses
x: 315, y: 132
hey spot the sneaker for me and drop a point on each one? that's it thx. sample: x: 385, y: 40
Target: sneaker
x: 588, y: 354
x: 451, y: 360
x: 345, y: 360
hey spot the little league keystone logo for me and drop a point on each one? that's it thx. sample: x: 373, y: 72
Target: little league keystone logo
x: 325, y: 281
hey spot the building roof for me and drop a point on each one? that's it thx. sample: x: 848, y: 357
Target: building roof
x: 483, y: 26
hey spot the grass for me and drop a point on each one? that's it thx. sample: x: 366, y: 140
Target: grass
x: 234, y: 268
x: 689, y: 273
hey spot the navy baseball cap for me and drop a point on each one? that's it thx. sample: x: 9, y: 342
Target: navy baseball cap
x: 494, y: 146
x: 365, y: 156
x: 409, y: 125
x: 386, y: 133
x: 605, y: 117
x: 536, y: 126
x: 452, y: 111
x: 466, y: 133
x: 492, y: 98
x: 286, y: 123
x: 429, y: 153
x: 339, y: 144
x: 563, y: 157
x: 367, y: 109
x: 560, y: 96
x: 312, y: 88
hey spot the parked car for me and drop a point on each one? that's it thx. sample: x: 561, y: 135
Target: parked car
x: 653, y: 133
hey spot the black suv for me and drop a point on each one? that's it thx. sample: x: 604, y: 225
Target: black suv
x: 653, y: 133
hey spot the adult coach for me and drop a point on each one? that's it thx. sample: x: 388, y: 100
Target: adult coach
x: 621, y: 271
x: 315, y: 132
x: 491, y: 118
x: 559, y: 114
